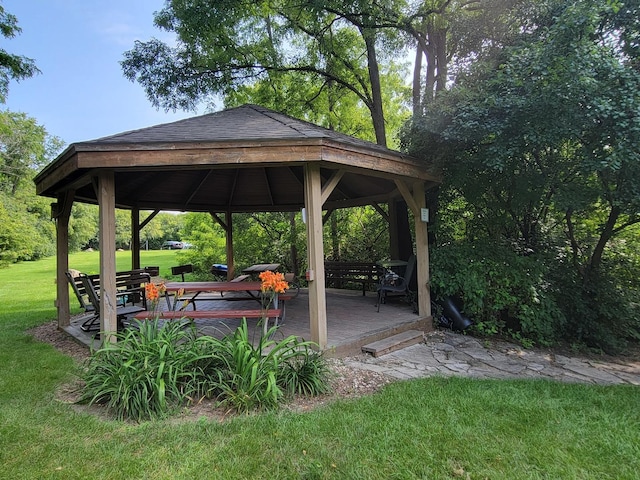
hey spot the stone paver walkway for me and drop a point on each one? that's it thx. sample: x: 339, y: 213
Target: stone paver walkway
x: 447, y: 353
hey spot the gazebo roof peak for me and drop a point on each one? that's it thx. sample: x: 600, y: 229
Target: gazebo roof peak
x: 247, y: 122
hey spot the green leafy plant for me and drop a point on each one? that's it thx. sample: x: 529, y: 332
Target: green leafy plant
x: 146, y: 374
x: 306, y: 374
x: 249, y: 377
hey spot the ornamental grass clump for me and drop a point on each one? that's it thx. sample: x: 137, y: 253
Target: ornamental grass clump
x: 258, y: 377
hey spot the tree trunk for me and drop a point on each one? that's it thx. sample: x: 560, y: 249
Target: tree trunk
x: 605, y: 236
x: 377, y: 113
x: 417, y: 86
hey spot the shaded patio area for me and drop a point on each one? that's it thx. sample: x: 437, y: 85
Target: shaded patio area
x: 352, y: 320
x: 241, y: 160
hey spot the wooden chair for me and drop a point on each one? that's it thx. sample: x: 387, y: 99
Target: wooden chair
x: 93, y: 323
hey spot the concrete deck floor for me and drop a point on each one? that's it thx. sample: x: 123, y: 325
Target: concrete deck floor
x: 352, y: 320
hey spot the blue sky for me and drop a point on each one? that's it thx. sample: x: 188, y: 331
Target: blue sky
x: 81, y: 93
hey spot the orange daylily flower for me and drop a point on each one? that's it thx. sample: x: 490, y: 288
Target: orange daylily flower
x: 153, y: 291
x: 273, y: 281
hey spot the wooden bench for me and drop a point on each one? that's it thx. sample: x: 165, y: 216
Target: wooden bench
x: 129, y: 286
x: 274, y: 313
x: 93, y: 323
x: 240, y: 313
x: 181, y: 270
x: 339, y: 274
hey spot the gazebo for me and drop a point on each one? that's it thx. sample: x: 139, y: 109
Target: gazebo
x: 244, y: 159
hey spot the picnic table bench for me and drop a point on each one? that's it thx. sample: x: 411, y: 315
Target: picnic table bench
x: 274, y: 313
x: 339, y: 274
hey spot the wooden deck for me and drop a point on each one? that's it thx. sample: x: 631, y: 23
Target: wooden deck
x: 352, y: 320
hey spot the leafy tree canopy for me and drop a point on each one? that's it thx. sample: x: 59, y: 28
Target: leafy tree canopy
x: 12, y: 67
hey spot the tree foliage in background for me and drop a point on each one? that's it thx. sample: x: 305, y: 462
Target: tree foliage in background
x: 12, y: 66
x: 321, y: 61
x: 540, y: 143
x: 26, y: 230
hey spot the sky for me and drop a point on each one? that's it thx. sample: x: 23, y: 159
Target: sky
x: 81, y: 93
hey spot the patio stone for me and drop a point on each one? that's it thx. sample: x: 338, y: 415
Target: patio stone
x: 450, y: 354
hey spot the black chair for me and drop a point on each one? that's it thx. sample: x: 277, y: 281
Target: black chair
x: 392, y: 283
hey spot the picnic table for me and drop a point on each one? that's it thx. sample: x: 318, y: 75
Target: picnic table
x: 191, y: 290
x: 261, y: 267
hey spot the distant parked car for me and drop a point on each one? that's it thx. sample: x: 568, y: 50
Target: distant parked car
x: 186, y: 245
x: 172, y: 245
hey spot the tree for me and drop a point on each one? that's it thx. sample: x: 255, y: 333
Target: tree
x: 25, y: 147
x: 12, y: 66
x: 25, y: 220
x: 543, y: 143
x: 328, y: 47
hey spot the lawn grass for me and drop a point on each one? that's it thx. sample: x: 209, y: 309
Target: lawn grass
x: 434, y: 428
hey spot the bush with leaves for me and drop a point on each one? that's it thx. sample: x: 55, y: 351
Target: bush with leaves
x: 502, y: 292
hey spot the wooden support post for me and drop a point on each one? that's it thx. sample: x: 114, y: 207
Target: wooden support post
x: 107, y: 236
x: 61, y: 214
x: 135, y: 238
x: 227, y: 226
x: 317, y: 295
x: 422, y: 252
x: 230, y: 261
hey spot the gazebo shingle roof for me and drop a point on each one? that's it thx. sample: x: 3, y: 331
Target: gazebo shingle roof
x: 247, y: 122
x: 247, y: 158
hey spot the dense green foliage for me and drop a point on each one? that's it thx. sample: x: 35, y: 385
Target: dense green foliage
x: 350, y: 234
x: 26, y: 232
x: 155, y: 368
x: 539, y: 144
x: 342, y: 64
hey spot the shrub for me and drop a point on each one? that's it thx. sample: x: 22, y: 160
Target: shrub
x: 601, y: 313
x: 502, y: 291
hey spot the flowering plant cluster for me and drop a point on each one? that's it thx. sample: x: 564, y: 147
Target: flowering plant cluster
x: 153, y: 293
x: 273, y: 282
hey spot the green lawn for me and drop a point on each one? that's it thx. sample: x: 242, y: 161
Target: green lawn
x: 434, y: 428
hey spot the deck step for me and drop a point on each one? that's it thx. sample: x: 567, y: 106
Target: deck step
x: 393, y: 343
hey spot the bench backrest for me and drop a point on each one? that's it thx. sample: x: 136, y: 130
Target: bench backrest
x: 181, y: 270
x: 125, y: 280
x: 78, y: 289
x: 352, y: 269
x: 90, y: 290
